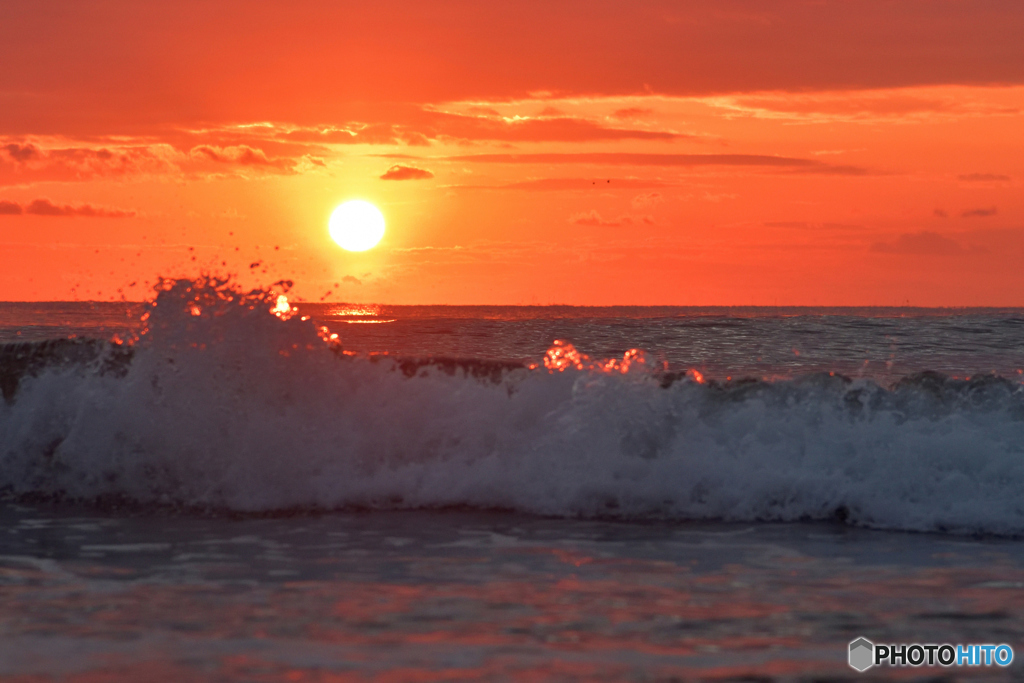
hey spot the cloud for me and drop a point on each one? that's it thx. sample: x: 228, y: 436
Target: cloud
x: 647, y: 199
x: 20, y: 164
x: 567, y: 184
x: 979, y: 213
x: 420, y: 126
x: 358, y: 133
x: 803, y: 225
x: 351, y: 279
x: 44, y: 207
x: 242, y: 155
x: 984, y: 178
x: 400, y: 172
x: 221, y: 151
x: 21, y: 153
x: 547, y: 129
x: 940, y: 213
x: 8, y: 208
x: 683, y: 160
x: 631, y: 113
x: 422, y: 52
x: 594, y: 219
x: 834, y: 170
x: 919, y: 244
x: 872, y: 106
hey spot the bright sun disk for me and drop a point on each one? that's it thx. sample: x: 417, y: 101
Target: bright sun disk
x: 356, y: 225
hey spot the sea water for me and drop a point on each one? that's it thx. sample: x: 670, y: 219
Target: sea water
x: 217, y: 486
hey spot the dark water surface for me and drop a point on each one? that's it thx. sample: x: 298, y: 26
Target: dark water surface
x: 885, y: 343
x: 443, y: 596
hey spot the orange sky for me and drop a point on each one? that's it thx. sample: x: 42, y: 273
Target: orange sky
x: 822, y: 152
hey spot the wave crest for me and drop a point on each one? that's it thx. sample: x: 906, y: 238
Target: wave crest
x: 223, y: 404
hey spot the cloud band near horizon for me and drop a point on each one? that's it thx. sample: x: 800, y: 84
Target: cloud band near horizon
x: 45, y: 207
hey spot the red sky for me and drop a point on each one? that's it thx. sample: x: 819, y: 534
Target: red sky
x: 823, y: 152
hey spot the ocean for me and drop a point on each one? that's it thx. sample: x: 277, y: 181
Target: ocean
x: 217, y: 485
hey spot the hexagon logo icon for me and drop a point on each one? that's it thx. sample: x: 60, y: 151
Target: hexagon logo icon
x: 862, y: 654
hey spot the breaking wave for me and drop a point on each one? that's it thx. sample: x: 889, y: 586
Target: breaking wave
x: 230, y: 401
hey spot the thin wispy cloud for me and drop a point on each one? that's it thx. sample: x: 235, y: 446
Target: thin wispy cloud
x: 400, y: 172
x: 984, y: 178
x: 594, y: 219
x: 920, y: 244
x: 668, y: 160
x: 45, y: 207
x: 979, y: 213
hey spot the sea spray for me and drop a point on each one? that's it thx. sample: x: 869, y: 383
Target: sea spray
x: 223, y: 402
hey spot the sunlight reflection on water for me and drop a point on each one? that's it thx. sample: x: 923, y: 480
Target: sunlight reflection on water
x: 437, y: 596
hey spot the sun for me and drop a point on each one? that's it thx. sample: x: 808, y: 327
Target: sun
x: 356, y: 225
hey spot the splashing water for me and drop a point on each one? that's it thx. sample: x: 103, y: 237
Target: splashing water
x: 221, y: 402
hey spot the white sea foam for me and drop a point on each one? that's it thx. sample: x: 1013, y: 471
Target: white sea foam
x: 236, y: 408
